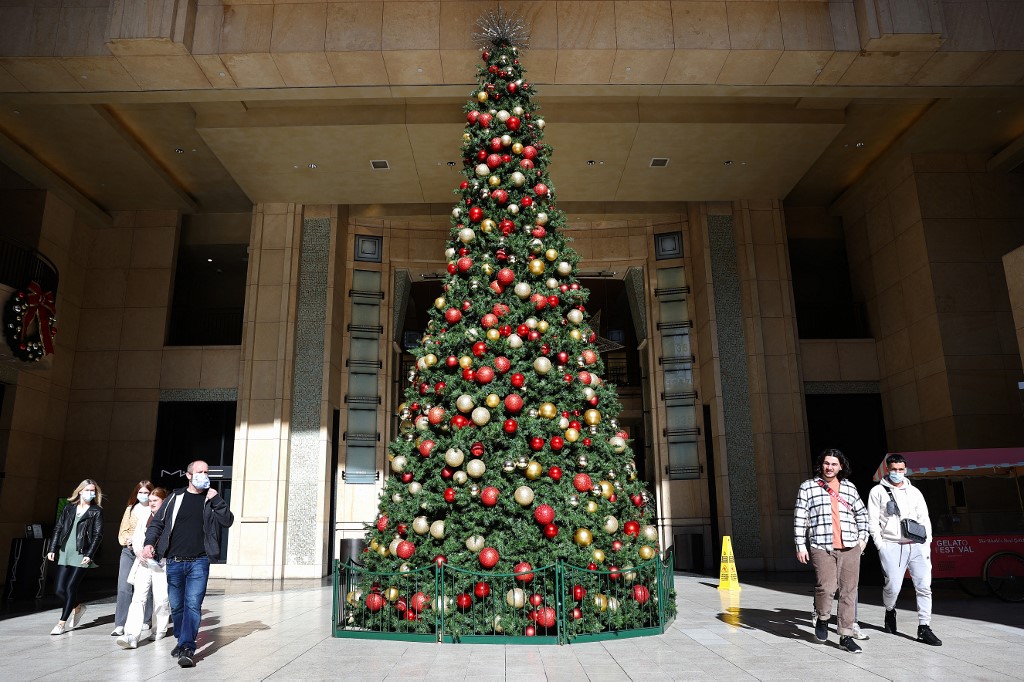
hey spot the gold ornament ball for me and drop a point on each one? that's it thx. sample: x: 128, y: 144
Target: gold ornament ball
x: 543, y: 326
x: 537, y: 267
x: 598, y: 555
x: 383, y: 551
x: 575, y: 334
x: 374, y: 545
x: 354, y: 596
x: 440, y: 302
x: 488, y: 225
x: 523, y: 495
x: 583, y: 537
x: 601, y: 602
x: 607, y: 490
x: 494, y: 181
x: 517, y: 148
x: 613, y: 604
x: 592, y: 417
x: 646, y: 553
x: 572, y: 435
x: 391, y: 594
x: 611, y: 524
x: 591, y: 506
x: 430, y: 359
x: 548, y: 410
x: 650, y: 533
x: 534, y: 470
x: 516, y: 598
x: 551, y: 255
x: 481, y: 96
x: 488, y: 269
x: 493, y: 335
x: 492, y: 400
x: 465, y: 362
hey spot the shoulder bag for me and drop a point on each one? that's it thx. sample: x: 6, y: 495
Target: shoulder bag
x: 909, y: 528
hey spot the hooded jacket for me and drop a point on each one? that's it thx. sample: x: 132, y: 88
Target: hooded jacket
x: 886, y: 527
x: 215, y: 515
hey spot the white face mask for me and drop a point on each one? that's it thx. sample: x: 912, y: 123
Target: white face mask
x: 200, y: 480
x: 896, y: 477
x: 88, y: 495
x: 143, y: 498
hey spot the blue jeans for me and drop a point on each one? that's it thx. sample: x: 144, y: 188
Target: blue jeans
x: 186, y: 588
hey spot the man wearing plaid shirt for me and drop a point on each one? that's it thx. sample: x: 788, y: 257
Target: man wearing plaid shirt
x: 830, y: 528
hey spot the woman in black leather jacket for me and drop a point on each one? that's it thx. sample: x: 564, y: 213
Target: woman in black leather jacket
x: 74, y: 546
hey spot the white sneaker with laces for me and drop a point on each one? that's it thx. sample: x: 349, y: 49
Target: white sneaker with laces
x: 58, y: 629
x: 117, y: 632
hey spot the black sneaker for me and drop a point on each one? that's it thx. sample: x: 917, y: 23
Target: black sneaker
x: 185, y: 659
x: 890, y: 621
x: 821, y: 629
x: 176, y: 651
x: 846, y: 642
x: 925, y: 634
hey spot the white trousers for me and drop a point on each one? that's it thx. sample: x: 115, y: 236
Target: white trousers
x: 147, y: 580
x: 896, y: 560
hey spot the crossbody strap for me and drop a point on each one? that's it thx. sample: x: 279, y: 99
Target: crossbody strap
x: 833, y: 493
x: 894, y: 503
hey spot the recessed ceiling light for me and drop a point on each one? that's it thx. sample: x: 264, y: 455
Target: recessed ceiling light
x: 312, y: 166
x: 591, y: 162
x: 179, y: 150
x: 727, y: 163
x: 451, y: 164
x: 628, y: 69
x: 659, y: 162
x: 380, y: 164
x: 221, y: 74
x: 859, y: 145
x: 209, y: 260
x: 419, y: 69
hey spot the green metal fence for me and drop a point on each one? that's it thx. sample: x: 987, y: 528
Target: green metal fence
x: 556, y: 604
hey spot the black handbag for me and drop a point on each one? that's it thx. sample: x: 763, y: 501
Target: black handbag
x: 909, y: 528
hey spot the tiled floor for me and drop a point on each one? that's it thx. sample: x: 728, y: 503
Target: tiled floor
x: 284, y: 634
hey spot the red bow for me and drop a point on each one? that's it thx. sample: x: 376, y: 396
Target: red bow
x: 35, y: 300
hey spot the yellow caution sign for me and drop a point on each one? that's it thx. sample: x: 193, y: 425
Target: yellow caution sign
x: 727, y: 577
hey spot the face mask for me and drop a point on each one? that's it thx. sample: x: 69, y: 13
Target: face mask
x: 201, y: 481
x: 88, y: 495
x: 143, y: 498
x: 896, y: 477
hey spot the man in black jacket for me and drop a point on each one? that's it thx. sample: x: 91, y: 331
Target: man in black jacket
x: 185, y: 533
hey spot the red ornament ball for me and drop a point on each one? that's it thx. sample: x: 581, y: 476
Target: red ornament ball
x: 485, y: 375
x: 529, y: 152
x: 476, y: 214
x: 545, y: 617
x: 555, y: 473
x: 577, y: 613
x: 551, y: 531
x: 440, y: 559
x: 426, y: 447
x: 544, y: 514
x: 502, y: 364
x: 435, y: 415
x: 522, y: 571
x: 419, y: 601
x: 374, y: 602
x: 405, y: 549
x: 506, y: 276
x: 510, y: 426
x: 578, y: 592
x: 582, y: 483
x: 488, y: 557
x: 477, y: 449
x: 631, y: 528
x: 530, y: 631
x: 489, y: 320
x: 517, y: 380
x: 465, y: 263
x: 452, y: 315
x: 641, y: 594
x: 481, y: 589
x: 557, y: 443
x: 489, y: 496
x: 449, y: 495
x: 536, y: 600
x: 382, y: 523
x: 464, y: 601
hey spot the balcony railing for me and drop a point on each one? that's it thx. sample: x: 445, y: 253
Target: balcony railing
x: 20, y: 264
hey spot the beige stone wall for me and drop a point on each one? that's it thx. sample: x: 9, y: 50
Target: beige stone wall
x: 776, y: 384
x: 925, y: 241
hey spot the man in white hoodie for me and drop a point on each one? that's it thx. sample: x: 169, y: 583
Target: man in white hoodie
x: 891, y: 501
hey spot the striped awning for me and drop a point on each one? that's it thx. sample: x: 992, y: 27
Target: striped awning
x: 979, y: 462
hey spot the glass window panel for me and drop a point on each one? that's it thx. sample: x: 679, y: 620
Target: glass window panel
x: 678, y: 381
x: 672, y: 311
x: 365, y: 315
x: 676, y: 345
x: 670, y: 278
x: 362, y: 384
x: 680, y: 418
x: 360, y: 464
x: 364, y: 349
x: 362, y: 421
x: 683, y: 462
x: 366, y: 280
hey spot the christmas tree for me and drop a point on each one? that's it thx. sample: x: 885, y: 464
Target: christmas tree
x: 509, y: 460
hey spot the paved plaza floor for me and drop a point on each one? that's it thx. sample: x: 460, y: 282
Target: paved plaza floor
x: 256, y: 631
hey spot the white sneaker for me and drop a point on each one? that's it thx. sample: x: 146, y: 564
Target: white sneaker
x: 122, y: 641
x: 117, y: 632
x: 858, y: 633
x: 58, y: 629
x: 157, y: 635
x: 76, y: 616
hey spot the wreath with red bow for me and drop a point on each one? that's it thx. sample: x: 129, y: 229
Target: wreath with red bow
x: 30, y: 323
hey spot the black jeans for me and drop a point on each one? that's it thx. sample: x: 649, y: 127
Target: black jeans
x: 69, y: 579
